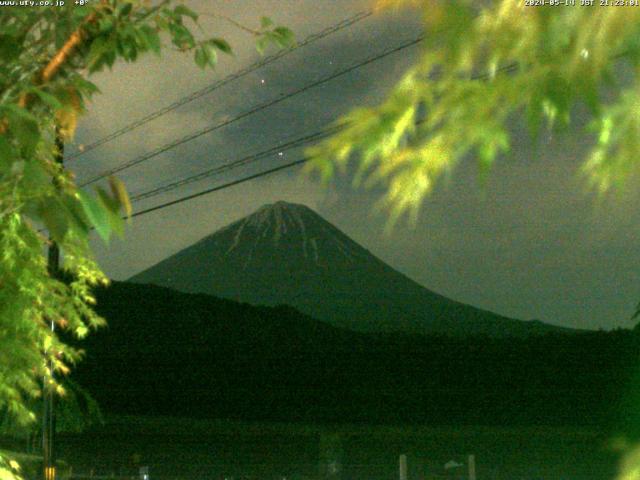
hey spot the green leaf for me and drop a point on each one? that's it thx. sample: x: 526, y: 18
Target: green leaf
x: 77, y: 216
x: 261, y: 44
x: 279, y: 41
x: 211, y: 54
x: 119, y: 192
x: 35, y: 177
x: 591, y: 96
x: 85, y: 87
x: 10, y: 48
x: 24, y: 126
x: 127, y: 43
x: 534, y: 115
x: 286, y: 37
x: 81, y: 331
x: 111, y: 204
x: 105, y: 25
x: 117, y: 224
x: 161, y: 22
x: 181, y: 37
x: 64, y: 25
x: 559, y: 94
x: 152, y: 38
x: 6, y: 154
x: 81, y: 12
x: 200, y: 57
x: 55, y: 217
x: 113, y: 208
x: 110, y: 57
x: 221, y: 44
x: 50, y: 100
x: 183, y: 10
x: 124, y: 9
x: 97, y: 213
x: 266, y: 22
x: 96, y: 55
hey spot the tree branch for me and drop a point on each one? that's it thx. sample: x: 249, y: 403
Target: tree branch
x: 62, y: 55
x: 233, y: 22
x: 72, y: 42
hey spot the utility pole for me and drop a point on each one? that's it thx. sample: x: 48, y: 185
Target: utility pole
x: 403, y: 467
x: 48, y: 413
x: 472, y: 467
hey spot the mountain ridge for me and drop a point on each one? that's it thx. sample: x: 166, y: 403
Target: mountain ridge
x: 166, y: 352
x: 286, y: 253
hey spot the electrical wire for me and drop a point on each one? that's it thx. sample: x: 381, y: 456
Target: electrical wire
x: 282, y: 147
x: 220, y: 83
x: 256, y: 175
x: 258, y: 108
x: 221, y: 187
x: 279, y: 149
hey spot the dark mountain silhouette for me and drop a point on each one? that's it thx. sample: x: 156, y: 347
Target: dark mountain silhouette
x: 170, y: 353
x: 287, y: 254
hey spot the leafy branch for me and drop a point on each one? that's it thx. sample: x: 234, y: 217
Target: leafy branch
x: 45, y: 58
x: 564, y: 58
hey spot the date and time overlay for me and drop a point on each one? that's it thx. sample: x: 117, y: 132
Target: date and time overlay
x: 42, y: 3
x: 527, y: 3
x: 581, y: 3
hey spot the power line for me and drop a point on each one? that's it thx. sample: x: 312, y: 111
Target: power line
x: 316, y: 135
x: 280, y: 148
x: 221, y: 187
x: 213, y: 189
x: 220, y: 83
x: 263, y: 106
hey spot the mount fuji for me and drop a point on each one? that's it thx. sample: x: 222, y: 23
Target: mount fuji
x: 288, y: 254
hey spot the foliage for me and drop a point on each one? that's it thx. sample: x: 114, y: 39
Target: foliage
x: 46, y: 55
x: 76, y: 411
x: 472, y: 380
x: 9, y: 467
x: 482, y: 65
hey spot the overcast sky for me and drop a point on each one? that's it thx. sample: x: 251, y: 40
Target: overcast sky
x: 531, y: 243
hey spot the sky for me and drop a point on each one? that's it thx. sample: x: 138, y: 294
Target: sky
x: 531, y: 243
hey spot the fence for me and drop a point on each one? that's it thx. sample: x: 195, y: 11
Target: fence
x: 407, y: 468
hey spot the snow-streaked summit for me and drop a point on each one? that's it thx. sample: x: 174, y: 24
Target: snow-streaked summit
x: 301, y: 230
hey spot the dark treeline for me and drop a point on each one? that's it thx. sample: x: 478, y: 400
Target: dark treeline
x: 169, y: 353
